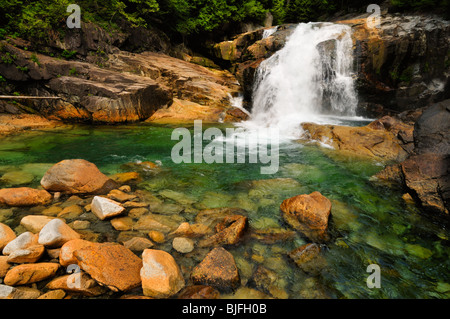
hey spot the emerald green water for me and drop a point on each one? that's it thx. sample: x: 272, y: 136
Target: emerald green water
x: 371, y: 223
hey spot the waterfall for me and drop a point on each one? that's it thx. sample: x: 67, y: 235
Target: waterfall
x: 308, y: 80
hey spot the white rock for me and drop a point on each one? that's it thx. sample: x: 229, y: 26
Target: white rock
x: 22, y: 241
x: 34, y: 223
x: 56, y: 233
x: 104, y: 207
x: 8, y: 292
x: 183, y: 245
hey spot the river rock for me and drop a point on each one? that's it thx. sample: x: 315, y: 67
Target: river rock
x: 28, y: 255
x: 229, y: 232
x: 80, y: 283
x: 105, y: 208
x: 76, y: 176
x: 365, y: 141
x: 22, y: 241
x: 160, y: 274
x: 111, y: 265
x: 29, y: 273
x: 16, y: 178
x: 56, y: 233
x: 35, y: 223
x: 4, y: 266
x: 8, y: 292
x: 120, y: 196
x: 191, y: 230
x: 199, y: 292
x: 66, y: 256
x: 24, y: 196
x: 308, y: 214
x: 183, y: 245
x: 138, y: 244
x: 308, y: 258
x: 6, y: 235
x: 217, y: 269
x: 53, y: 294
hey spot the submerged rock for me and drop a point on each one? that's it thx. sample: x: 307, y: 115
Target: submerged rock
x: 308, y: 258
x: 76, y: 176
x: 308, y: 214
x: 229, y: 232
x: 217, y: 269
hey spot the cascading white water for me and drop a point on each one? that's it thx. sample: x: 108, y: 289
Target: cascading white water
x: 308, y: 80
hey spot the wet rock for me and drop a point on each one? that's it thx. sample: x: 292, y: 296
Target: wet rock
x: 229, y: 232
x: 56, y: 233
x: 124, y: 178
x: 429, y: 136
x: 308, y: 214
x: 16, y: 178
x: 120, y: 196
x: 268, y: 282
x: 199, y: 292
x: 210, y: 217
x: 272, y: 235
x: 80, y: 283
x: 160, y: 274
x: 22, y: 241
x: 6, y: 235
x: 157, y: 236
x: 364, y: 141
x: 53, y: 294
x: 29, y: 273
x: 191, y: 230
x: 71, y: 212
x: 8, y: 292
x: 76, y: 176
x: 66, y: 253
x: 183, y: 245
x: 308, y: 258
x: 35, y: 223
x: 24, y: 196
x: 148, y: 223
x: 138, y: 244
x: 28, y: 255
x: 111, y: 265
x: 105, y: 208
x: 122, y: 223
x: 427, y: 176
x: 4, y: 266
x: 217, y: 269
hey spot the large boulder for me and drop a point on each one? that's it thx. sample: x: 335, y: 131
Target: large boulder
x: 24, y: 196
x: 373, y: 140
x: 88, y: 93
x: 402, y: 64
x: 308, y: 214
x: 431, y: 131
x: 76, y: 176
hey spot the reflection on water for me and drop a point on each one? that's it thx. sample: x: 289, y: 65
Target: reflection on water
x: 371, y: 223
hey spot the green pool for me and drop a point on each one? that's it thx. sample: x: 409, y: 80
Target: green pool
x: 371, y: 223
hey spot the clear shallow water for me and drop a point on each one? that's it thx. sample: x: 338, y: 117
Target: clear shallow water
x: 370, y: 222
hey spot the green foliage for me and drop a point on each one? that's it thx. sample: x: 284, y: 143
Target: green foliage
x: 8, y: 58
x: 73, y: 71
x: 35, y: 59
x: 22, y: 68
x: 68, y: 54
